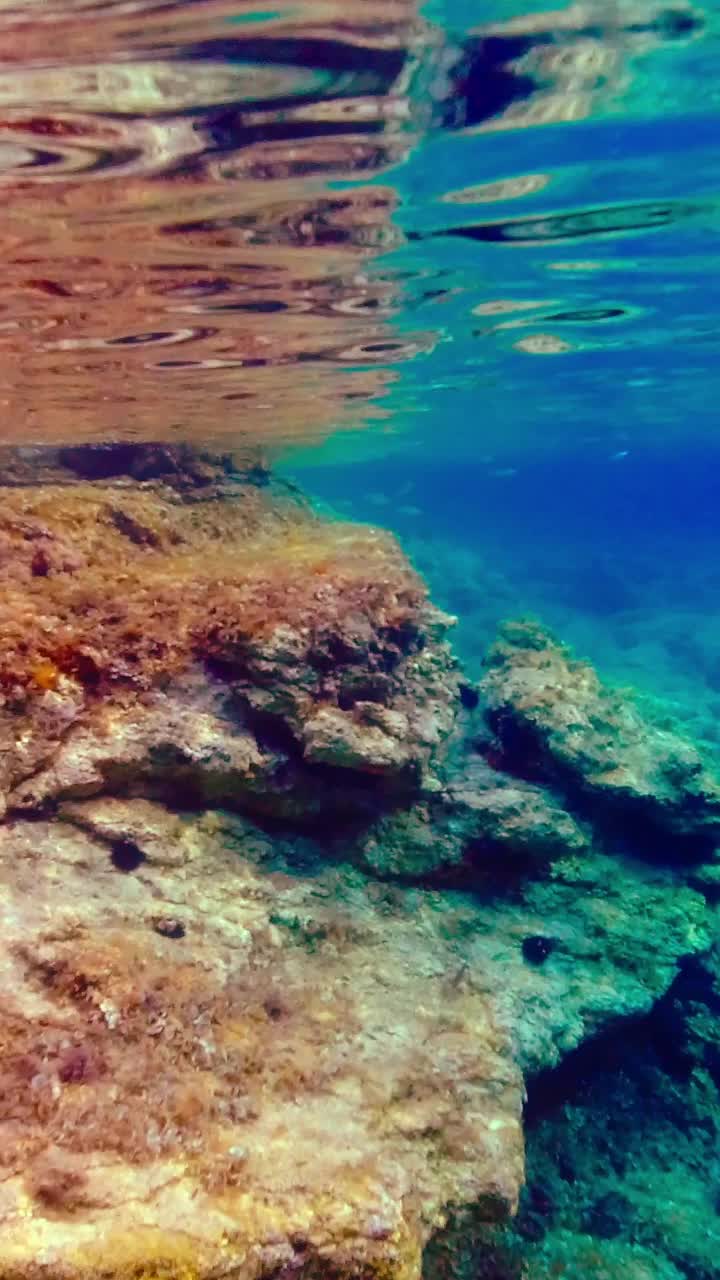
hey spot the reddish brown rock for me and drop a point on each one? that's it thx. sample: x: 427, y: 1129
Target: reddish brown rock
x: 225, y: 1050
x: 218, y: 638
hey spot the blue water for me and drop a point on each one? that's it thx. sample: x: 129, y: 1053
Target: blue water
x: 553, y: 450
x: 453, y: 271
x: 620, y: 558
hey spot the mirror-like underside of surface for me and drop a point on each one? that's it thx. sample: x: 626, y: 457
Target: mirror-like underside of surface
x: 195, y: 197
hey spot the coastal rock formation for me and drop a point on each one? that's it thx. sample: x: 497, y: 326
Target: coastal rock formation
x: 622, y: 1146
x: 288, y: 918
x: 237, y: 648
x: 556, y: 722
x: 481, y: 822
x: 213, y: 1069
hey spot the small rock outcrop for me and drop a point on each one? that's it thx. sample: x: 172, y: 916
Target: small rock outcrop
x: 557, y: 723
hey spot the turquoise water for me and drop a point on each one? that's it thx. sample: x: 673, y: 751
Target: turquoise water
x: 555, y: 454
x: 555, y: 451
x: 452, y: 271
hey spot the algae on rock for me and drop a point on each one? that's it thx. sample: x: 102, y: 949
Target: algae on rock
x: 287, y: 919
x: 556, y: 722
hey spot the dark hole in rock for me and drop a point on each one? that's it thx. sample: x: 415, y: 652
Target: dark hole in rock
x: 169, y: 927
x: 274, y: 1008
x: 636, y: 831
x: 227, y: 669
x: 363, y: 689
x: 100, y: 462
x: 517, y: 751
x: 331, y: 652
x: 469, y: 697
x: 272, y: 733
x: 40, y: 564
x: 406, y: 637
x: 125, y: 855
x: 537, y: 947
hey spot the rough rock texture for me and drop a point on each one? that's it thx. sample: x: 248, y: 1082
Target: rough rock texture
x: 288, y: 915
x: 213, y: 1061
x: 480, y: 824
x: 233, y: 643
x: 556, y: 721
x: 185, y: 1032
x: 622, y: 1156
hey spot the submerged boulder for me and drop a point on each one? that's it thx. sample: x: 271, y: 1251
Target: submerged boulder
x: 481, y: 825
x: 556, y: 722
x: 220, y: 1070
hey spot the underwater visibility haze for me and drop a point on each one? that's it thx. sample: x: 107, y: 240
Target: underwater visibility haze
x: 359, y: 640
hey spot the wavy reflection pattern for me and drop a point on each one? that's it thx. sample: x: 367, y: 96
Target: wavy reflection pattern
x: 224, y: 223
x: 176, y: 260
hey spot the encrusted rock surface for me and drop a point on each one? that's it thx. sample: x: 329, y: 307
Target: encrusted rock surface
x: 224, y: 1064
x: 479, y: 824
x: 219, y: 1067
x: 556, y: 722
x: 223, y: 636
x: 289, y: 913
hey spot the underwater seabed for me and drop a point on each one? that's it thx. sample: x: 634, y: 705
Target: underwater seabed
x: 322, y: 955
x: 600, y: 548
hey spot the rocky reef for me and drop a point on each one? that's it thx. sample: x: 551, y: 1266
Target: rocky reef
x: 293, y: 914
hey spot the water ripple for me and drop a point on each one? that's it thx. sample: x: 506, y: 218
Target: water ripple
x: 580, y: 224
x: 225, y: 222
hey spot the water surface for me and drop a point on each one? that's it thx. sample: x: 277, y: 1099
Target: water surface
x: 264, y: 225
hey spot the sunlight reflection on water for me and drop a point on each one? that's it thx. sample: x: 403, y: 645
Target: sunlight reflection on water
x: 224, y: 223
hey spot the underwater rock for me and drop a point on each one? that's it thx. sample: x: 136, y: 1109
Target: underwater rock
x: 210, y: 1068
x: 505, y: 814
x: 481, y: 824
x: 284, y: 929
x: 211, y: 1062
x: 622, y: 1147
x: 223, y: 640
x: 557, y: 722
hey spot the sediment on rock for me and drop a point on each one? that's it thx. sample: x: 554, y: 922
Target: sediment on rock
x: 557, y: 723
x: 185, y: 1032
x: 225, y: 642
x: 287, y: 917
x: 622, y: 1160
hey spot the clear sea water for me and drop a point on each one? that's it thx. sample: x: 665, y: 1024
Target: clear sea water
x: 453, y: 270
x: 553, y: 448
